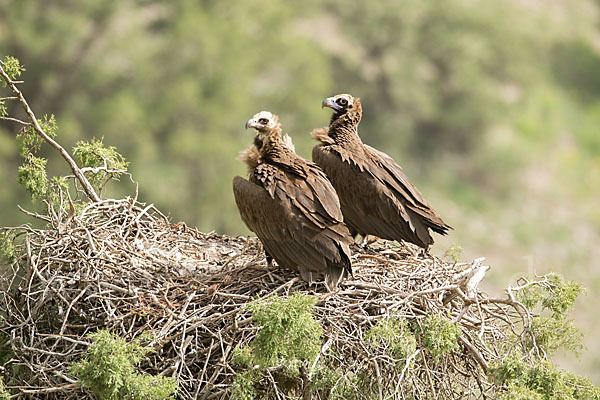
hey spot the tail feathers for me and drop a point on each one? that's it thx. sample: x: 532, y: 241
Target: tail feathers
x: 338, y: 271
x: 432, y: 220
x: 334, y: 276
x: 307, y: 275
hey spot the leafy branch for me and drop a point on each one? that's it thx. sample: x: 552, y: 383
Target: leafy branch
x: 10, y: 69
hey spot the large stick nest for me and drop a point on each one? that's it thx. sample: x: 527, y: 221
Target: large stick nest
x: 120, y: 265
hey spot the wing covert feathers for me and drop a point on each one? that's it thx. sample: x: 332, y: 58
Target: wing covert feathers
x: 376, y: 196
x: 292, y: 207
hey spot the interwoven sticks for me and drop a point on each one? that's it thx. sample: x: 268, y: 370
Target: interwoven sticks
x: 120, y: 265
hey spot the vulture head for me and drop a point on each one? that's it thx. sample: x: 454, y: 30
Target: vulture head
x: 267, y: 125
x: 263, y: 122
x: 341, y: 103
x: 347, y: 110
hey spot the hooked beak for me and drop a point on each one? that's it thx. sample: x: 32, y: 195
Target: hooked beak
x: 330, y: 102
x: 250, y: 123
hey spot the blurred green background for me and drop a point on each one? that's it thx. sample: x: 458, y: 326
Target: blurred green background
x: 492, y: 108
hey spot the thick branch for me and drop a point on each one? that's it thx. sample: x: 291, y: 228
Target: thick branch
x: 87, y: 187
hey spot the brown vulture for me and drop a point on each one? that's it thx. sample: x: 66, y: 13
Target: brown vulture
x: 375, y: 195
x: 291, y: 206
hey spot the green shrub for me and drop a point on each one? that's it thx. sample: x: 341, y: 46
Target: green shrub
x: 454, y: 252
x: 93, y: 154
x: 28, y: 140
x: 288, y: 331
x: 511, y: 368
x: 554, y: 333
x: 108, y: 370
x: 4, y: 395
x: 32, y: 176
x: 561, y: 296
x: 517, y: 392
x: 541, y: 381
x: 13, y: 68
x: 393, y: 334
x: 555, y: 296
x: 439, y: 335
x: 243, y: 386
x: 288, y: 337
x: 7, y: 247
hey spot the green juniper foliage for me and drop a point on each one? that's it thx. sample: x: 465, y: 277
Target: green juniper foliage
x: 561, y: 297
x: 32, y: 176
x: 29, y: 141
x: 517, y: 392
x: 108, y: 370
x: 393, y: 334
x: 439, y: 335
x: 527, y: 374
x: 541, y: 381
x: 288, y: 331
x: 454, y: 252
x: 7, y: 247
x: 288, y: 337
x: 553, y: 330
x: 556, y: 333
x: 13, y: 68
x: 243, y: 385
x: 3, y: 110
x: 32, y: 173
x: 93, y: 154
x: 333, y: 383
x: 4, y: 395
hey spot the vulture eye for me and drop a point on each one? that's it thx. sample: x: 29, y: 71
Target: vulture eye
x: 263, y: 121
x: 342, y: 102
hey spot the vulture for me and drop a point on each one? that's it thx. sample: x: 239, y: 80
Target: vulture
x: 291, y: 206
x: 375, y: 194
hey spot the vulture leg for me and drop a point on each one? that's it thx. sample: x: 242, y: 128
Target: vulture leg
x: 353, y: 232
x: 269, y: 260
x: 364, y: 242
x: 423, y: 252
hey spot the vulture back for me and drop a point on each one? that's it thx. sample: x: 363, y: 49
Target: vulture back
x: 376, y: 196
x: 292, y: 207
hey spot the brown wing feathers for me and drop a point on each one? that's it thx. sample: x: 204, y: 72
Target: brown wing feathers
x: 292, y: 207
x: 375, y: 194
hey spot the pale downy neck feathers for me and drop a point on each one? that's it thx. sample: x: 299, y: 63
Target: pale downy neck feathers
x: 250, y: 157
x: 263, y: 143
x: 287, y: 141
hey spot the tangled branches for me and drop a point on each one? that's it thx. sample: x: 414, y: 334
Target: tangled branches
x: 119, y: 265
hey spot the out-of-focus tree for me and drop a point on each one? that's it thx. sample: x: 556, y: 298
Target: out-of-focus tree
x: 492, y: 108
x: 170, y: 84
